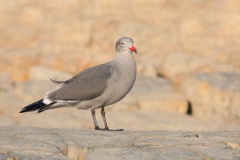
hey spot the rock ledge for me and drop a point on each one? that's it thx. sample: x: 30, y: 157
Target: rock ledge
x: 39, y: 143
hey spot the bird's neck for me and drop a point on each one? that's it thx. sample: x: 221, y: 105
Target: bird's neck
x: 123, y: 55
x: 125, y: 59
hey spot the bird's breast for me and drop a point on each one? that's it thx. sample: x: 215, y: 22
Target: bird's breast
x: 122, y: 81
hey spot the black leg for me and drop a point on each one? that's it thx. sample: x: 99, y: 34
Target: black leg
x: 104, y: 119
x: 105, y: 122
x: 94, y: 120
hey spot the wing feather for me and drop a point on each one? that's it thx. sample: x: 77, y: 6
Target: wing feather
x: 87, y: 85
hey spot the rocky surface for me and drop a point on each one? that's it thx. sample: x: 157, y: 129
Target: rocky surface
x: 215, y: 97
x: 40, y: 72
x: 156, y: 94
x: 179, y: 66
x: 37, y: 143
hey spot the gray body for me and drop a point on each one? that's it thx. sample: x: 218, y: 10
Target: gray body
x: 98, y: 86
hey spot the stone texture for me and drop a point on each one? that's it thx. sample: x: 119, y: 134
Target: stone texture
x: 5, y: 83
x: 44, y: 73
x: 179, y: 66
x: 9, y: 102
x: 157, y: 94
x: 35, y: 32
x: 38, y: 143
x: 215, y: 96
x: 33, y: 90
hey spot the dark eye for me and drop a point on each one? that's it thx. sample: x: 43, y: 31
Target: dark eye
x: 122, y: 43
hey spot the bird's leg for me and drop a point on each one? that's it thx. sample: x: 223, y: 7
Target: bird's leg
x: 94, y: 120
x: 105, y: 122
x: 104, y: 119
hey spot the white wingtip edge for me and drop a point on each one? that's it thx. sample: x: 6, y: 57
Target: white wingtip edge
x: 46, y: 100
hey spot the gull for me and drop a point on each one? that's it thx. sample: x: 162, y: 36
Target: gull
x: 95, y: 87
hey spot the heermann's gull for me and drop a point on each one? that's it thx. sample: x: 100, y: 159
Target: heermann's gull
x: 95, y: 87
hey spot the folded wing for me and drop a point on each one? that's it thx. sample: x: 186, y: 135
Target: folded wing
x: 87, y: 85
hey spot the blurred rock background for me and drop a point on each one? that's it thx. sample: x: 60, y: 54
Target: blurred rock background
x: 188, y: 60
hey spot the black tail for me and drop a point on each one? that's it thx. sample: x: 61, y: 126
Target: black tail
x: 34, y: 106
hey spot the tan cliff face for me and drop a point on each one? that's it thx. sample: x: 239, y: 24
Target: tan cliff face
x: 72, y: 32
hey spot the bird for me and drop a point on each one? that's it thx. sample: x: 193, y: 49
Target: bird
x: 95, y: 87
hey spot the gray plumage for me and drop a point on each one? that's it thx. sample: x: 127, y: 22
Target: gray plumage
x: 96, y: 87
x: 87, y: 85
